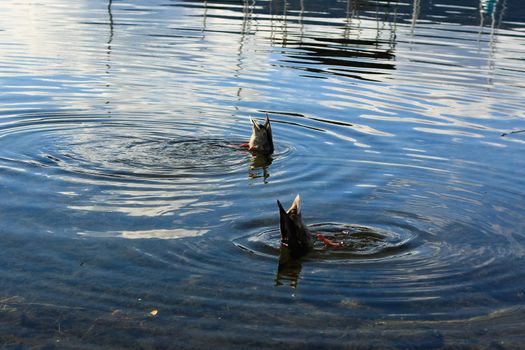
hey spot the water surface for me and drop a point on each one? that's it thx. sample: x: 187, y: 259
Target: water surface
x: 130, y: 218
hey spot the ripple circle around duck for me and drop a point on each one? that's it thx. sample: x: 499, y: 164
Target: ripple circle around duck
x: 355, y: 242
x: 121, y: 149
x: 149, y: 179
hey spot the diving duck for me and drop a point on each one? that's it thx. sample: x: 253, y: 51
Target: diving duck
x: 294, y: 233
x: 261, y: 140
x: 295, y: 236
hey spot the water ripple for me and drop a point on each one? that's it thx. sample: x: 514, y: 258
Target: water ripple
x: 126, y: 196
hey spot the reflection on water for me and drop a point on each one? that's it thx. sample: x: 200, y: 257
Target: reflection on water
x: 349, y: 243
x: 110, y: 39
x: 132, y: 217
x: 488, y: 8
x: 259, y: 165
x: 288, y: 270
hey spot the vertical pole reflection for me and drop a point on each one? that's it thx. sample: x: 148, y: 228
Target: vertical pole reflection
x: 278, y: 22
x: 301, y: 21
x: 271, y: 23
x: 245, y: 31
x: 415, y: 15
x: 393, y: 32
x: 488, y: 8
x: 108, y: 49
x: 205, y: 16
x: 285, y: 23
x: 110, y: 17
x: 349, y: 16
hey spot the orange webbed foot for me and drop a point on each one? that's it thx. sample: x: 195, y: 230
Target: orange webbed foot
x: 327, y: 242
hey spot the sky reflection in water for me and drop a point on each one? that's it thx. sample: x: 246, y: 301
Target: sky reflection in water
x: 124, y: 190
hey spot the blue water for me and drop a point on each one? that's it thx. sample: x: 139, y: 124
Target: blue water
x: 130, y: 218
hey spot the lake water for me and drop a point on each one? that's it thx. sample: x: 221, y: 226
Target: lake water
x: 130, y: 218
